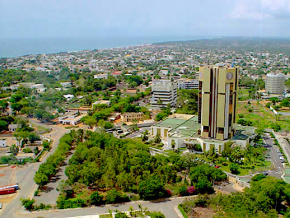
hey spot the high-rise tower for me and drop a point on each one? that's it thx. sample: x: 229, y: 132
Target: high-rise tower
x: 217, y: 101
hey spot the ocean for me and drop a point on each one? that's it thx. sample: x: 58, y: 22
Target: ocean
x: 25, y: 46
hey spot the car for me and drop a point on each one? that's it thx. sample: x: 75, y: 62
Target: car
x: 265, y: 173
x: 217, y: 166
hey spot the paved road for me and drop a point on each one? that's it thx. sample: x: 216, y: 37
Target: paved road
x: 166, y: 207
x: 284, y: 144
x: 275, y: 160
x: 25, y: 176
x: 51, y: 194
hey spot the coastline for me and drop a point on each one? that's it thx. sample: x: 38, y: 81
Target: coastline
x: 15, y: 48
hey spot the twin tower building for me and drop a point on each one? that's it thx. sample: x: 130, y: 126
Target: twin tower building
x: 217, y: 101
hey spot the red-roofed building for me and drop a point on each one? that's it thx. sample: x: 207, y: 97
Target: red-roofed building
x: 116, y: 73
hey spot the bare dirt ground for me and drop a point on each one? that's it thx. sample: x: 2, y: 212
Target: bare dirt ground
x: 7, y: 175
x: 201, y: 212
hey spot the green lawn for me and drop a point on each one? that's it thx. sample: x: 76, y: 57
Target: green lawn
x: 41, y: 129
x: 244, y: 171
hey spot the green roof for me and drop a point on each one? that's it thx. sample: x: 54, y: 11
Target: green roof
x: 170, y: 123
x: 188, y: 128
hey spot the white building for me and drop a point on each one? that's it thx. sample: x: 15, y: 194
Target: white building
x: 71, y: 118
x: 3, y: 143
x: 66, y: 84
x: 101, y: 76
x: 107, y: 102
x: 275, y: 83
x: 164, y: 93
x: 187, y: 83
x: 69, y: 97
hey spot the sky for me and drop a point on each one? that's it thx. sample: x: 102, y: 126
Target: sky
x: 111, y: 18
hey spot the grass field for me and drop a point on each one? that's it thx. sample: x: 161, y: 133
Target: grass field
x: 261, y: 116
x: 243, y: 94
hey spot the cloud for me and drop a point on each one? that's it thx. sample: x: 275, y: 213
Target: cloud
x: 261, y: 9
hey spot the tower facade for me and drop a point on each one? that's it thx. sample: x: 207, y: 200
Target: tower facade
x: 275, y: 83
x: 217, y: 101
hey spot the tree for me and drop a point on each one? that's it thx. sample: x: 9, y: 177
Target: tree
x: 151, y: 188
x: 3, y: 105
x: 90, y: 121
x: 144, y: 136
x: 3, y: 125
x: 159, y: 101
x: 157, y: 138
x: 276, y: 127
x: 274, y: 100
x: 236, y: 154
x: 173, y: 144
x: 234, y: 168
x: 14, y: 150
x: 41, y: 179
x: 16, y: 106
x: 203, y: 185
x: 284, y: 103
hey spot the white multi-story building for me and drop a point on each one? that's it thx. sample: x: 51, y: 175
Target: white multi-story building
x: 187, y: 83
x: 275, y: 83
x: 164, y: 93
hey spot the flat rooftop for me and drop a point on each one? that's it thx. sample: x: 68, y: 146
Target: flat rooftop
x: 188, y: 128
x: 170, y: 123
x: 243, y: 132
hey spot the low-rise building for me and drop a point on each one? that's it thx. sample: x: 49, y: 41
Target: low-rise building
x: 3, y: 143
x: 101, y: 76
x: 116, y: 73
x: 69, y: 97
x: 65, y: 84
x: 185, y: 132
x: 107, y: 102
x: 13, y: 127
x: 71, y: 118
x: 132, y: 116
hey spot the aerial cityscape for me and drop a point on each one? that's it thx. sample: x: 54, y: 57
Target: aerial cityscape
x: 196, y: 127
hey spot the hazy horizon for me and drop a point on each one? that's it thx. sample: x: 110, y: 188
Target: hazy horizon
x: 111, y: 18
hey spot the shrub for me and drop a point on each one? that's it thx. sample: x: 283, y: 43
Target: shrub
x: 258, y: 177
x: 120, y: 215
x: 63, y: 203
x: 28, y: 203
x: 182, y: 190
x: 96, y: 198
x: 190, y: 190
x: 155, y: 214
x: 113, y: 196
